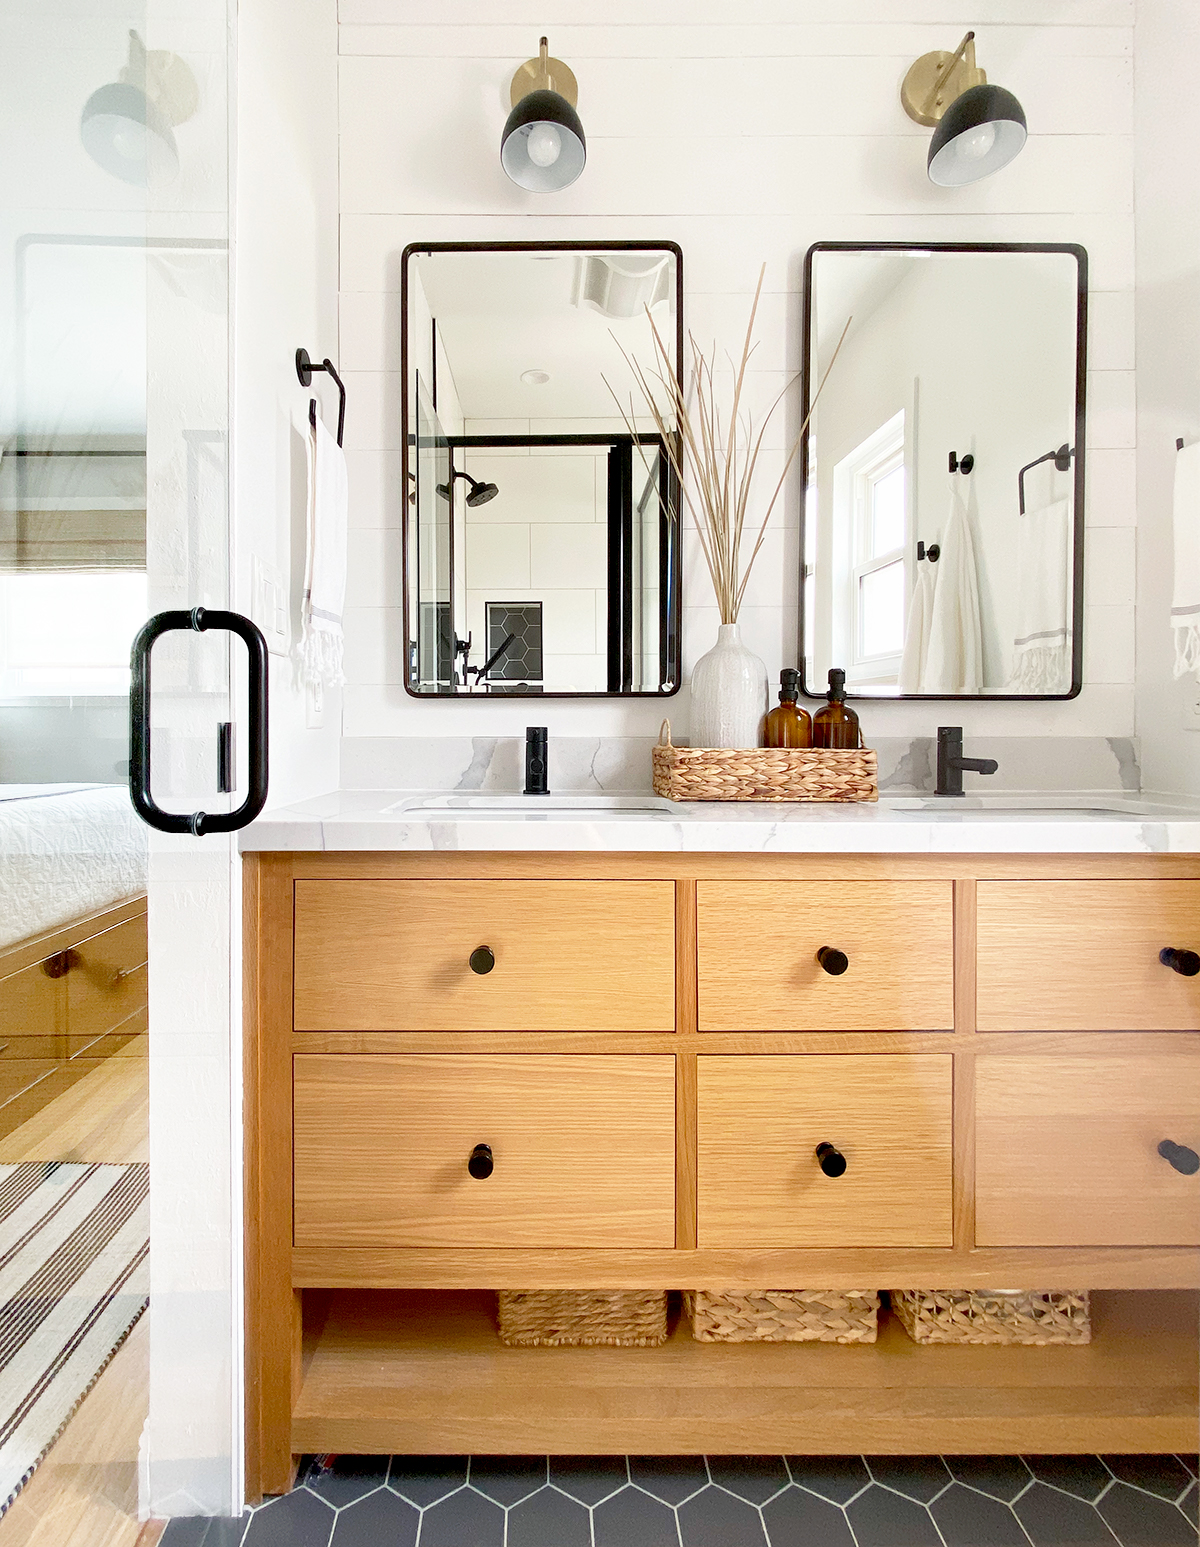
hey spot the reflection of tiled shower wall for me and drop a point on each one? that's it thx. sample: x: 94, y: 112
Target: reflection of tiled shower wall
x: 543, y: 539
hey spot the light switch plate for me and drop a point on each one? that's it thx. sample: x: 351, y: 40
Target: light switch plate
x: 269, y: 604
x: 314, y: 706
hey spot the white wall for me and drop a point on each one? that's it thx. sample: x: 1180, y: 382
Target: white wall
x: 1168, y: 352
x: 745, y: 139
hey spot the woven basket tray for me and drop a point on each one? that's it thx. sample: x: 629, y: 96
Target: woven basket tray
x: 989, y: 1316
x: 763, y: 773
x: 556, y: 1318
x: 783, y: 1316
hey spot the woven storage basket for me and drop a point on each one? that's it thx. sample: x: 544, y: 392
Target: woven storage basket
x: 993, y: 1316
x: 763, y: 773
x: 555, y: 1318
x: 783, y: 1316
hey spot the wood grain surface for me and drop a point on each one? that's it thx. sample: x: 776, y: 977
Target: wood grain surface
x: 584, y: 1150
x: 1083, y: 955
x: 1066, y: 1149
x: 758, y: 945
x: 569, y: 955
x: 761, y: 1119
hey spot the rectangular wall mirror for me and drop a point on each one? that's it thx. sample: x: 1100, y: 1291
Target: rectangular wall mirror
x: 541, y: 543
x: 943, y: 469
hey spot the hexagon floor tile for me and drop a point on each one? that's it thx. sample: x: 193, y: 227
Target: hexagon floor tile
x: 719, y: 1501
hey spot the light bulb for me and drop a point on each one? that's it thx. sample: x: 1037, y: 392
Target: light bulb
x: 129, y: 139
x: 544, y: 145
x: 977, y: 144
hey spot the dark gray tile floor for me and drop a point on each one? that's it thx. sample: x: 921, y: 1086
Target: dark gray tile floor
x: 721, y: 1501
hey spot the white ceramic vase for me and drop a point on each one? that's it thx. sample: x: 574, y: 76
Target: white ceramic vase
x: 729, y: 693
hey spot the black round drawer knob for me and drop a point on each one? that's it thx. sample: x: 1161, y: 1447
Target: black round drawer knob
x: 831, y: 1161
x: 482, y: 959
x: 834, y: 961
x: 1187, y: 963
x: 481, y: 1164
x: 1178, y: 1155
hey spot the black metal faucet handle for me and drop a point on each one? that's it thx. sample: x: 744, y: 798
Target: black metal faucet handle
x: 1186, y: 963
x: 831, y: 1160
x: 481, y: 1164
x: 482, y: 959
x: 832, y: 960
x: 537, y: 760
x: 1184, y: 1160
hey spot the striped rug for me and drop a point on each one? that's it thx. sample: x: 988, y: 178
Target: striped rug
x: 74, y: 1278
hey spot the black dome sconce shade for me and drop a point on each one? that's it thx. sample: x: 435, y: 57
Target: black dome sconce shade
x: 543, y: 147
x: 978, y: 128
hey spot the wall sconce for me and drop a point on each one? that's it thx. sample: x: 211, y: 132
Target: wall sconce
x: 543, y: 147
x: 128, y: 125
x: 979, y: 128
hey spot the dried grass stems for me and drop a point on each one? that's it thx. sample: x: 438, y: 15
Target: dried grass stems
x: 722, y: 451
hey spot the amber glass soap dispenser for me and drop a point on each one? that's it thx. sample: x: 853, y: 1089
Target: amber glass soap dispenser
x: 836, y: 725
x: 788, y: 725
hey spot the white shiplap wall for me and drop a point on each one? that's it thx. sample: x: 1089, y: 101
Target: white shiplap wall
x: 745, y: 133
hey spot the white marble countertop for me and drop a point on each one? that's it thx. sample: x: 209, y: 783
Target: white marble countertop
x: 407, y: 821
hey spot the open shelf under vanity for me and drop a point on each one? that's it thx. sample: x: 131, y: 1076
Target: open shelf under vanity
x: 424, y: 1371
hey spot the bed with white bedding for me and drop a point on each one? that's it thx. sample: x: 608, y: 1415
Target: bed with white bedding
x: 66, y: 850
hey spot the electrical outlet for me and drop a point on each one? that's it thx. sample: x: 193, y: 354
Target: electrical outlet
x: 314, y: 705
x: 1191, y: 702
x: 268, y: 604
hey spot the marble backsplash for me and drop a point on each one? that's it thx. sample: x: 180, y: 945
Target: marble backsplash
x: 619, y: 764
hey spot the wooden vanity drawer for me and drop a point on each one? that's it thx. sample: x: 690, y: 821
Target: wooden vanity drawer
x: 106, y: 985
x: 33, y: 1004
x: 760, y: 1121
x: 569, y: 955
x: 1084, y: 955
x: 759, y: 942
x: 583, y: 1150
x: 1066, y: 1149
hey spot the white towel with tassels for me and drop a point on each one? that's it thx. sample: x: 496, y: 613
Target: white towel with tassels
x: 916, y: 638
x: 1185, y: 603
x: 321, y: 646
x: 954, y: 663
x: 1042, y: 636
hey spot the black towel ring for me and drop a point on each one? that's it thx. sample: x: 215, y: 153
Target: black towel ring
x: 304, y: 370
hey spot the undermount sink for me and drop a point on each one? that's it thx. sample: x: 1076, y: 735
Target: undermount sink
x: 488, y: 805
x: 1033, y: 805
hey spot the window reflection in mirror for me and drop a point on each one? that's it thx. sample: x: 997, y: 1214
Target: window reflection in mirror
x: 919, y: 580
x: 541, y: 534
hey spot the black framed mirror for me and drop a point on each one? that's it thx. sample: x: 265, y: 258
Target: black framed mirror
x: 541, y: 538
x: 943, y: 469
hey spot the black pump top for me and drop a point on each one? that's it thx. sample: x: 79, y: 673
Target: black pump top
x: 837, y: 685
x: 789, y: 685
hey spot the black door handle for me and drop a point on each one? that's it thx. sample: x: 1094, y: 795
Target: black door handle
x: 201, y: 620
x: 1187, y: 963
x: 1178, y: 1155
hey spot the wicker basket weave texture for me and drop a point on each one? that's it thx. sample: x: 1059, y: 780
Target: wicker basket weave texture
x: 990, y: 1316
x: 763, y: 773
x: 560, y: 1318
x: 783, y: 1316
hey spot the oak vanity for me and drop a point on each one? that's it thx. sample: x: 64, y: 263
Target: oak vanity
x: 644, y: 1039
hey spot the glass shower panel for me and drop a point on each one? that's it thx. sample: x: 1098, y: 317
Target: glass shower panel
x: 114, y: 942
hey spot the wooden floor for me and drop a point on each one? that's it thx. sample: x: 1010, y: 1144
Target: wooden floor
x: 85, y: 1493
x: 405, y: 1371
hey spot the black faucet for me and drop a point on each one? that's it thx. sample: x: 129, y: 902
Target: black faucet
x: 952, y: 764
x: 537, y: 759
